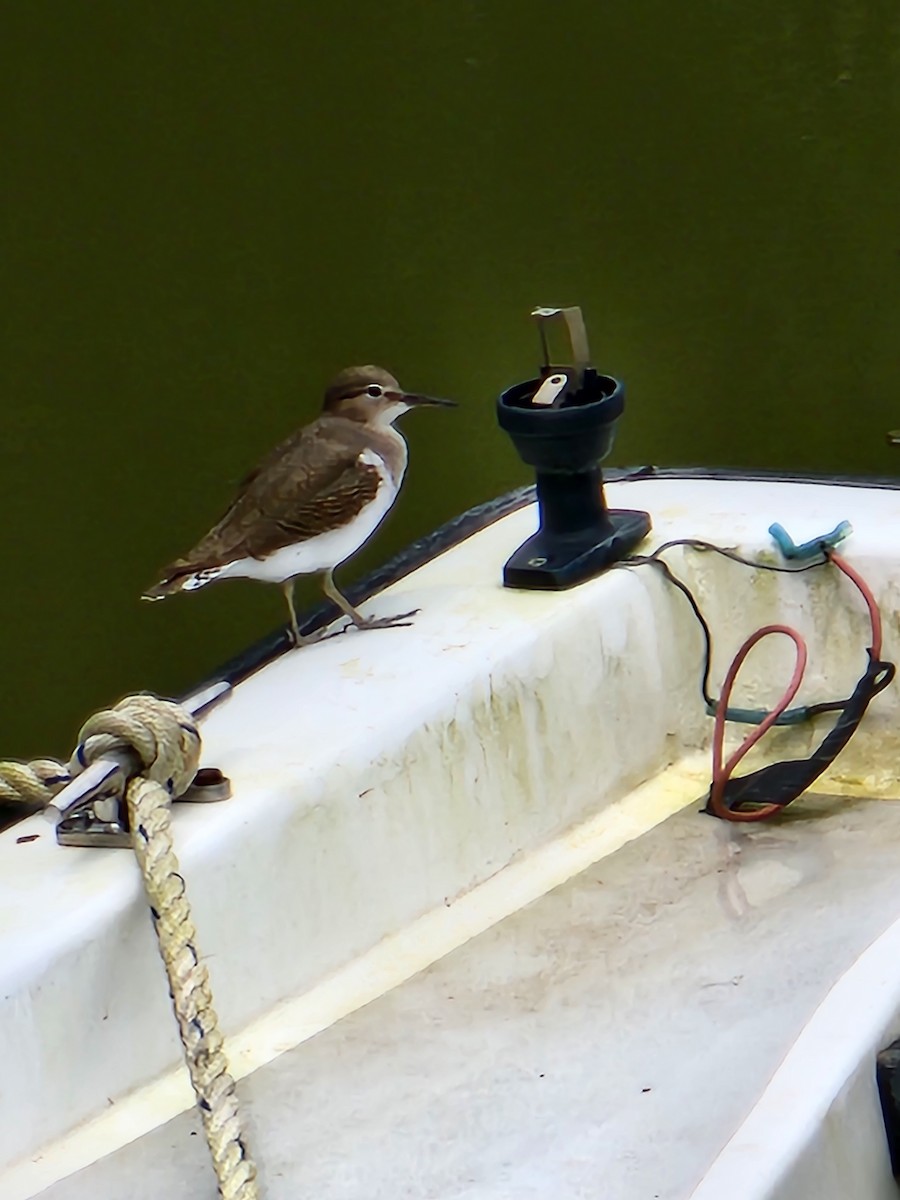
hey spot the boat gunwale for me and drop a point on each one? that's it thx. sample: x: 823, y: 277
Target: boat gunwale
x: 259, y: 654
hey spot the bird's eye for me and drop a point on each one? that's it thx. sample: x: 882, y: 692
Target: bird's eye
x: 374, y: 390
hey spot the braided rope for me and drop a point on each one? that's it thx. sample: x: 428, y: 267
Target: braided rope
x: 162, y: 734
x: 148, y: 809
x: 167, y: 742
x: 34, y: 784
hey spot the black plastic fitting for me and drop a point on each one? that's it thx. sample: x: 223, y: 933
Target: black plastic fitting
x: 565, y: 442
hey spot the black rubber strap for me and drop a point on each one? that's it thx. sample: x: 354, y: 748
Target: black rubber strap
x: 781, y: 782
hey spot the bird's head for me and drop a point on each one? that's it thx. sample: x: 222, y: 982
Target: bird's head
x: 373, y: 396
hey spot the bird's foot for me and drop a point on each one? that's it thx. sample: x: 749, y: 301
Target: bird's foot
x: 401, y: 620
x: 298, y: 640
x: 395, y: 622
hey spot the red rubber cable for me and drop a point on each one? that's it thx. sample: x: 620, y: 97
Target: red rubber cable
x: 722, y: 773
x: 871, y: 603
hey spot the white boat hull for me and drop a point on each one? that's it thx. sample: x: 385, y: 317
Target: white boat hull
x: 398, y: 793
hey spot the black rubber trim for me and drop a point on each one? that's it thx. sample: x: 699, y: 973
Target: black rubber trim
x: 889, y: 483
x: 468, y: 523
x: 887, y: 1077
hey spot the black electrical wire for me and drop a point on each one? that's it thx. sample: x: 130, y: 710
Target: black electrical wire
x: 654, y: 560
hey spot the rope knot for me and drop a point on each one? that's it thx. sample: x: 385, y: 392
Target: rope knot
x: 162, y: 734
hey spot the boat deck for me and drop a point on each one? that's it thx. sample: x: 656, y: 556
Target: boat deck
x: 604, y: 1041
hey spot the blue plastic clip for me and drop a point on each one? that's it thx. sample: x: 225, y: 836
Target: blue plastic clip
x: 815, y: 548
x: 812, y: 549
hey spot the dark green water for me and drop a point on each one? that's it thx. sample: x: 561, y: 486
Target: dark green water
x: 209, y: 208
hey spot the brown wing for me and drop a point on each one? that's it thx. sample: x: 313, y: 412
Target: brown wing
x: 306, y: 485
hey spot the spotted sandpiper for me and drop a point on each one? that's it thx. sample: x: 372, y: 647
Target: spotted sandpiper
x: 314, y: 500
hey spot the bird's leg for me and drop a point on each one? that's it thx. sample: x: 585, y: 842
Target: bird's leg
x: 330, y: 589
x: 288, y: 588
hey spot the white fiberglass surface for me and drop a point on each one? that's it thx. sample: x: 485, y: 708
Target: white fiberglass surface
x: 380, y: 776
x: 603, y: 1042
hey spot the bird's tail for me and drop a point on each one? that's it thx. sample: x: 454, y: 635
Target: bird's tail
x: 181, y: 578
x: 165, y: 587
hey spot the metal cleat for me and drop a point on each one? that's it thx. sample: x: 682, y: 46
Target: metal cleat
x: 92, y: 809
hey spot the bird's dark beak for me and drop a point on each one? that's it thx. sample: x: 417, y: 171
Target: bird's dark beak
x: 413, y: 399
